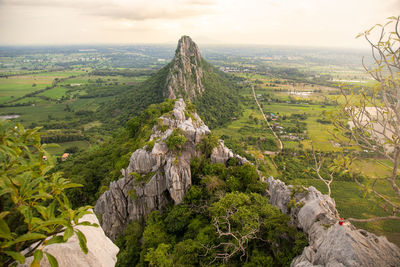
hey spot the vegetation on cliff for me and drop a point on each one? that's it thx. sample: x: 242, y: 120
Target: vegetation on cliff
x: 194, y: 232
x: 218, y: 102
x: 224, y: 219
x: 96, y: 168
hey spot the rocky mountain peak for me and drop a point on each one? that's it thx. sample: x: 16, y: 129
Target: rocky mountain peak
x: 186, y: 73
x: 188, y: 49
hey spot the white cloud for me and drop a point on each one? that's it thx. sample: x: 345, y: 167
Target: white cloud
x: 289, y: 22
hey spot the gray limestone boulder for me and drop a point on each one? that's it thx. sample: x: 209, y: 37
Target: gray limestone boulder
x: 222, y: 154
x: 330, y: 244
x: 102, y: 251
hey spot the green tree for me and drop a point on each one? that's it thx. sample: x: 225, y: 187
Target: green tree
x: 176, y: 140
x: 159, y: 256
x: 129, y: 243
x: 242, y: 219
x: 34, y: 207
x: 370, y: 118
x: 208, y: 143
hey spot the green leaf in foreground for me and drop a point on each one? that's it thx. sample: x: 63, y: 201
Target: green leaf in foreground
x: 16, y: 256
x: 82, y: 240
x: 37, y: 257
x: 68, y: 233
x: 55, y: 240
x: 53, y: 261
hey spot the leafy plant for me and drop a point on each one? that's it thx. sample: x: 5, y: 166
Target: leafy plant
x: 176, y: 140
x: 371, y: 118
x: 35, y: 210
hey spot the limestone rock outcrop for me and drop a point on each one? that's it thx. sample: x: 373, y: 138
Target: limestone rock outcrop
x: 155, y: 176
x: 186, y: 74
x: 330, y: 244
x: 102, y: 251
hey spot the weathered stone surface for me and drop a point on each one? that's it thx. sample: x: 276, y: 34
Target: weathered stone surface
x: 331, y: 244
x: 141, y: 161
x: 221, y: 154
x: 102, y: 252
x: 168, y: 172
x: 186, y: 74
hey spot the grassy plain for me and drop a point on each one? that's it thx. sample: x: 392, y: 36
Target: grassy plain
x: 37, y: 113
x: 57, y: 149
x: 17, y: 86
x: 73, y: 102
x: 54, y: 93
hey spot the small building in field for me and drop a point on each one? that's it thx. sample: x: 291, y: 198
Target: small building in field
x: 64, y: 156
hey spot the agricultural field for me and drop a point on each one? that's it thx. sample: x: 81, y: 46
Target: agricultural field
x: 57, y: 149
x: 65, y: 100
x: 310, y: 109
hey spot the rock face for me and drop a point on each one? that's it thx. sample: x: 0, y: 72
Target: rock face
x: 186, y: 74
x: 330, y: 244
x: 155, y: 176
x: 102, y: 252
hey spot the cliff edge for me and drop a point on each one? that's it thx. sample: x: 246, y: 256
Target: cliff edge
x: 330, y: 243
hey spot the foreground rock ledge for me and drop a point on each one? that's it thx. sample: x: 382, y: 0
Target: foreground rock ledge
x: 102, y: 251
x: 330, y: 244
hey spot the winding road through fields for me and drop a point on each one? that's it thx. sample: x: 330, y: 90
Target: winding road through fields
x: 280, y: 144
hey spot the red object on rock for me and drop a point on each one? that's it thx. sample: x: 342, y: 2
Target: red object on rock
x: 341, y: 221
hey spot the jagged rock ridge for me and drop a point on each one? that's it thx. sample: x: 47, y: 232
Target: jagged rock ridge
x: 166, y: 173
x: 185, y: 73
x: 330, y: 244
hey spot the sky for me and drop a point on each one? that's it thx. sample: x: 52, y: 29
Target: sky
x: 317, y: 23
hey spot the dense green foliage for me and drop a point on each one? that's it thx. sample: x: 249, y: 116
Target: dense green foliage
x: 197, y: 232
x: 33, y: 203
x: 133, y: 101
x: 176, y: 140
x: 218, y: 104
x: 122, y: 72
x: 220, y: 101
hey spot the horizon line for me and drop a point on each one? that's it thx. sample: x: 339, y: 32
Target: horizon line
x: 199, y: 43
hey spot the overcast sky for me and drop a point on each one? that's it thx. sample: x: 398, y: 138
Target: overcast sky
x: 328, y: 23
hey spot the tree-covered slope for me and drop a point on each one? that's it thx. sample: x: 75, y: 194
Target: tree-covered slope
x: 220, y: 101
x: 136, y: 99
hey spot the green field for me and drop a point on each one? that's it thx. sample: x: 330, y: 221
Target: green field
x: 54, y: 93
x: 17, y: 86
x: 37, y: 113
x: 57, y: 149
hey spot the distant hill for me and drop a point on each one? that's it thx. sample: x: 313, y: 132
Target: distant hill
x: 187, y: 76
